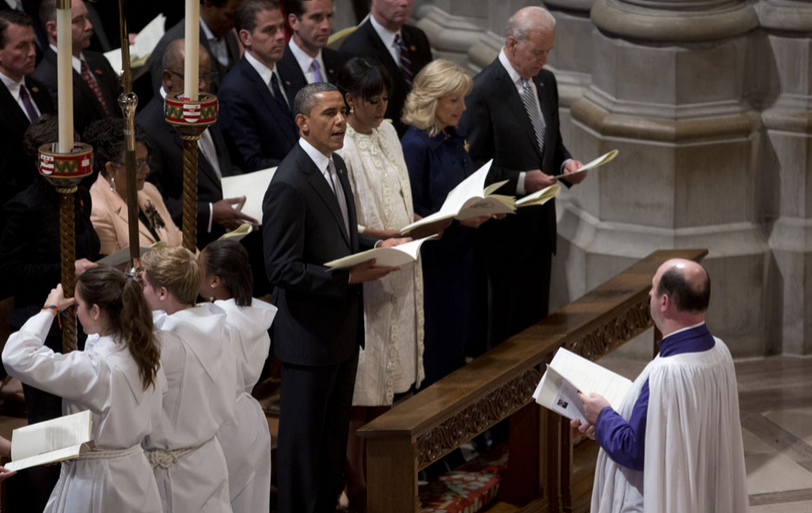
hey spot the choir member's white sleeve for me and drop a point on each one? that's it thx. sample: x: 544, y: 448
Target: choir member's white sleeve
x: 76, y: 376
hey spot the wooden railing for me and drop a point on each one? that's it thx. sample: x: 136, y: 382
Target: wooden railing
x: 545, y: 473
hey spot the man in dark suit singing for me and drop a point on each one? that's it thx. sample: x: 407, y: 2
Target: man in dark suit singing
x: 512, y: 117
x: 402, y: 49
x: 95, y: 85
x: 215, y: 215
x: 306, y: 60
x: 22, y: 101
x: 216, y: 36
x: 309, y: 219
x: 255, y: 106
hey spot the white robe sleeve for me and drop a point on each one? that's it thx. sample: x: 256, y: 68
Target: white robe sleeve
x: 76, y: 376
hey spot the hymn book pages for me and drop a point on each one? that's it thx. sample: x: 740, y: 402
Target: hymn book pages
x: 123, y: 255
x: 251, y: 185
x: 51, y: 441
x: 142, y: 48
x: 540, y: 197
x: 598, y: 162
x: 470, y: 199
x: 569, y: 374
x: 384, y: 257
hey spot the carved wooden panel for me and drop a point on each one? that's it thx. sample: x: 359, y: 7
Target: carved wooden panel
x: 615, y: 332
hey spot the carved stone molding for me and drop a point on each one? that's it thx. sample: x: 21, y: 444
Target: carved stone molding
x: 618, y: 330
x: 475, y: 419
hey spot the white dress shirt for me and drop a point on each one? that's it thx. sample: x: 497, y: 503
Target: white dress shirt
x: 217, y: 45
x: 76, y: 62
x: 265, y: 73
x: 306, y: 62
x: 388, y: 38
x: 517, y: 82
x: 14, y: 88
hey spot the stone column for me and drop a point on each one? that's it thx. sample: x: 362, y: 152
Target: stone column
x: 786, y: 92
x: 668, y: 90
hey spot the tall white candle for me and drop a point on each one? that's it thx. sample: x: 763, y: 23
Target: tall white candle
x: 191, y: 50
x: 64, y: 79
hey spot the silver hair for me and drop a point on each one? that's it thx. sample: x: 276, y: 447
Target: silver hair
x: 522, y: 22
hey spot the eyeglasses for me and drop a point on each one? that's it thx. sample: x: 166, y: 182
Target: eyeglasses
x: 141, y: 166
x: 207, y: 78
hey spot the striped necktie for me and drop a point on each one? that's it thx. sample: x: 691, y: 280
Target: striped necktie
x: 94, y: 86
x: 535, y: 116
x: 405, y: 61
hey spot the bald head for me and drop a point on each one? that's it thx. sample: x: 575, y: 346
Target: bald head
x: 527, y: 19
x: 687, y: 283
x: 172, y: 79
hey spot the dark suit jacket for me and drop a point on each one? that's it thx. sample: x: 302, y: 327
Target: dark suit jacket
x: 500, y: 129
x: 156, y: 60
x: 166, y: 169
x: 17, y: 170
x: 86, y: 107
x: 294, y: 78
x: 252, y: 121
x: 321, y: 316
x: 365, y: 42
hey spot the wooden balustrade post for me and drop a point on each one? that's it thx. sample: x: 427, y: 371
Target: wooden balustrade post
x: 391, y: 475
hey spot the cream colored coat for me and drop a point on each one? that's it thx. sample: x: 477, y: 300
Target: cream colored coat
x: 109, y: 218
x: 103, y: 379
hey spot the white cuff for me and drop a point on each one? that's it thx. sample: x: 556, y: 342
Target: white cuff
x: 520, y: 191
x: 211, y: 216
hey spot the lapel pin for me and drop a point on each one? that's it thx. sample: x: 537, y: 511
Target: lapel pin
x: 287, y: 83
x: 413, y: 48
x: 97, y: 71
x: 35, y: 89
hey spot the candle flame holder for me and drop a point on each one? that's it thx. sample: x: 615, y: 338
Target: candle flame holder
x: 190, y: 118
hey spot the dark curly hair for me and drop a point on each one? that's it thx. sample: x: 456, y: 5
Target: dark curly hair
x: 107, y: 138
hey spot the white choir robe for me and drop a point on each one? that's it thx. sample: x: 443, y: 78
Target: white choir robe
x: 246, y: 440
x: 694, y: 455
x: 105, y: 380
x: 200, y: 372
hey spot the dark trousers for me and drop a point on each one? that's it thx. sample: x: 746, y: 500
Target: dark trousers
x: 314, y: 420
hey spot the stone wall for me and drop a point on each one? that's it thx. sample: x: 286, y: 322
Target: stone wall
x: 708, y: 102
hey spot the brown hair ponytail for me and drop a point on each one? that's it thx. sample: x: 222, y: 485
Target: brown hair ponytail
x: 129, y: 316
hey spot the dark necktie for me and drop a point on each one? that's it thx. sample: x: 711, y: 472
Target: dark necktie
x: 277, y: 94
x: 94, y: 86
x: 29, y: 107
x: 339, y: 192
x: 405, y: 61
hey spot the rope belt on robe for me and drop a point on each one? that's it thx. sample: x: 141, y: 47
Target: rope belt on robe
x: 95, y: 454
x: 165, y: 458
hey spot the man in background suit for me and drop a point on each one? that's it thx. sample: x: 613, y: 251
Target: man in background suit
x: 215, y: 215
x: 95, y: 85
x: 402, y: 49
x: 512, y: 117
x: 306, y: 60
x: 255, y: 106
x: 22, y: 101
x: 308, y: 219
x: 216, y: 36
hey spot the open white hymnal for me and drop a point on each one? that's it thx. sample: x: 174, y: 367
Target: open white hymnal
x: 142, y: 48
x: 239, y: 233
x: 384, y: 257
x: 569, y: 374
x: 540, y: 197
x: 251, y: 185
x: 51, y: 441
x: 470, y: 199
x: 123, y: 255
x: 598, y: 162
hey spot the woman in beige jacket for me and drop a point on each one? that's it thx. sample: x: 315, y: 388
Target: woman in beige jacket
x: 109, y: 191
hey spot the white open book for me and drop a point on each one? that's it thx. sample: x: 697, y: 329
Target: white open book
x: 239, y: 233
x: 251, y: 185
x: 470, y: 199
x: 598, y: 162
x: 384, y: 257
x: 145, y: 43
x: 540, y: 197
x: 54, y: 440
x: 569, y: 374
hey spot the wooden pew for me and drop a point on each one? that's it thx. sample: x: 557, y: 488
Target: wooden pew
x: 545, y: 473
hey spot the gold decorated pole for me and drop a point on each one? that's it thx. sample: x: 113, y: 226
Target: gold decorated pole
x: 128, y: 101
x: 64, y: 164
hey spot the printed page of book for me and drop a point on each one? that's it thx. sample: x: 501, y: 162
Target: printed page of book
x: 238, y: 234
x: 384, y: 257
x: 251, y: 185
x: 594, y: 164
x: 557, y: 394
x: 52, y: 440
x: 540, y: 197
x: 588, y: 377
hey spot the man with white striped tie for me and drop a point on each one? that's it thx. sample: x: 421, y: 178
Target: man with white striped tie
x: 402, y: 49
x: 512, y: 117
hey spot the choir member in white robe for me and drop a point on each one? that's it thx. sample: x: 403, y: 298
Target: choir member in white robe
x: 227, y: 280
x: 675, y: 445
x: 117, y: 377
x: 187, y: 458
